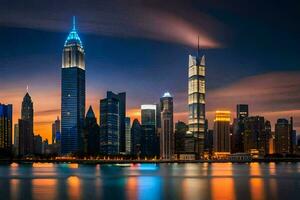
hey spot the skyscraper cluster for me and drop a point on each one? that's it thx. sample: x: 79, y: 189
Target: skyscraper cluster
x: 250, y: 134
x: 79, y: 132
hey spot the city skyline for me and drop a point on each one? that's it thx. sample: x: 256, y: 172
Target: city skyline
x: 44, y: 83
x: 149, y: 99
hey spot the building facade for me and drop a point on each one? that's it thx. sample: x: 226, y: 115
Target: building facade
x: 72, y: 94
x: 150, y: 144
x: 221, y: 131
x: 136, y: 138
x: 6, y: 129
x: 91, y: 133
x: 55, y: 130
x: 237, y: 142
x: 26, y: 140
x: 16, y: 139
x: 180, y: 132
x: 38, y: 144
x: 256, y: 136
x: 122, y: 122
x: 196, y: 101
x: 127, y: 135
x: 109, y: 124
x: 167, y: 124
x: 282, y: 136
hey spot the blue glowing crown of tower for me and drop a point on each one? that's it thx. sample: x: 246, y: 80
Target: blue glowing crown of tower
x: 73, y: 37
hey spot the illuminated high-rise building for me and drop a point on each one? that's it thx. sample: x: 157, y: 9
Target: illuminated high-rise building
x: 221, y: 138
x: 72, y: 94
x: 5, y: 129
x: 167, y: 132
x: 196, y: 101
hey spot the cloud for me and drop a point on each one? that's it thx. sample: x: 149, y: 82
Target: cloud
x: 277, y: 91
x: 153, y: 19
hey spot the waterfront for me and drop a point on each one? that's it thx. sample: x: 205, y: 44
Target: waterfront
x: 151, y: 181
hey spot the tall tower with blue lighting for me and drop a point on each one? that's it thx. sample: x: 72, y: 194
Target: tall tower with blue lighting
x: 72, y: 94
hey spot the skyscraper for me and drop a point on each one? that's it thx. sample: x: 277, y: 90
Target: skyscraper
x: 136, y: 137
x: 38, y: 144
x: 180, y: 131
x: 127, y: 135
x: 5, y: 129
x: 282, y: 136
x: 110, y: 124
x: 27, y: 110
x: 167, y: 132
x: 196, y: 101
x: 55, y: 130
x: 149, y: 136
x: 16, y: 139
x: 72, y: 93
x: 255, y: 137
x: 122, y: 125
x: 237, y: 142
x: 26, y: 145
x: 221, y: 138
x: 292, y: 136
x: 91, y: 133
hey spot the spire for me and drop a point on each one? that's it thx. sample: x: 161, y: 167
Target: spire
x: 90, y: 113
x: 198, y: 49
x: 74, y: 23
x: 73, y: 37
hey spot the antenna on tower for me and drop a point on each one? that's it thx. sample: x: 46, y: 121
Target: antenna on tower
x: 74, y: 23
x: 27, y: 88
x: 198, y: 49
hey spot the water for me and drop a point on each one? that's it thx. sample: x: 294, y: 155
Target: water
x: 151, y: 181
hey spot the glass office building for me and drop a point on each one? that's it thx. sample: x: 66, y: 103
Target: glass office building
x: 196, y: 101
x: 149, y: 141
x: 167, y: 130
x: 5, y: 129
x: 72, y: 94
x: 110, y: 124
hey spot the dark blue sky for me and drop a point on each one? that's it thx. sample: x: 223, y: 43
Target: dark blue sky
x: 142, y: 47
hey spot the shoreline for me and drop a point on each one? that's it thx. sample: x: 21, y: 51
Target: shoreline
x: 83, y: 161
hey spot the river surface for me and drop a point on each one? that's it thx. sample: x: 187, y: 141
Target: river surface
x: 218, y: 181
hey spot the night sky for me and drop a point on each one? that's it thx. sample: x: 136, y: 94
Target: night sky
x: 142, y: 47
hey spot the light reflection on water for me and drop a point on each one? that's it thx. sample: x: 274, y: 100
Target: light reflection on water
x: 151, y: 181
